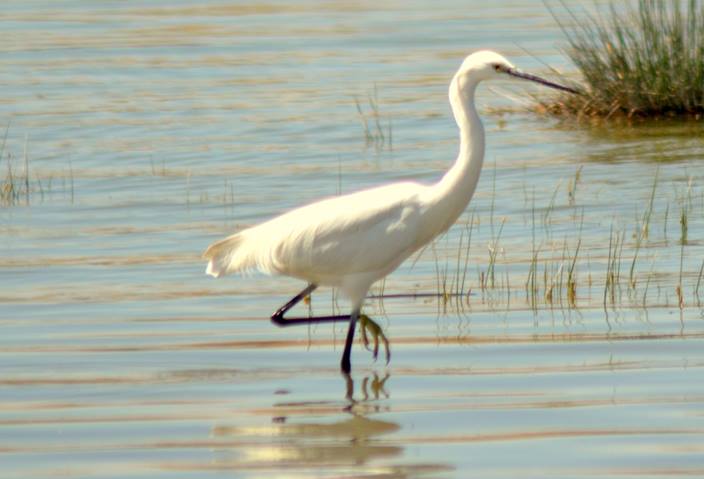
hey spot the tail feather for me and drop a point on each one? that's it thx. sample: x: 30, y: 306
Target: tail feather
x: 225, y: 256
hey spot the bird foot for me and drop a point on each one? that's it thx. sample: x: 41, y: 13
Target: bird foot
x: 367, y: 325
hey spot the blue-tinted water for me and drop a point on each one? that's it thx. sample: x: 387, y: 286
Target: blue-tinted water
x: 151, y: 130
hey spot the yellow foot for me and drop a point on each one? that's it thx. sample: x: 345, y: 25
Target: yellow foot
x: 367, y: 325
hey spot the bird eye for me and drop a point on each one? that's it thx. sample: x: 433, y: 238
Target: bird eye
x: 497, y: 67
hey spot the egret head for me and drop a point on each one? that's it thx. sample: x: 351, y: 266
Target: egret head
x: 488, y: 65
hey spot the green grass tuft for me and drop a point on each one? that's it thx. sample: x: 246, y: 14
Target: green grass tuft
x: 636, y: 60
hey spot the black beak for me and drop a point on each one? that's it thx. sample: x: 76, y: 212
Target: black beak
x: 527, y: 76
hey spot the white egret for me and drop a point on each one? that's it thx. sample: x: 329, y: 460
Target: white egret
x: 351, y: 241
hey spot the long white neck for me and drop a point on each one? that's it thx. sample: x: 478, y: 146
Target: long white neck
x: 452, y: 193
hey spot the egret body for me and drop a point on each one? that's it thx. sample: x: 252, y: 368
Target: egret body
x: 351, y: 241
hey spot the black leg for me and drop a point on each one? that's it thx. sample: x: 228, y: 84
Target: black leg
x: 278, y: 317
x: 345, y: 364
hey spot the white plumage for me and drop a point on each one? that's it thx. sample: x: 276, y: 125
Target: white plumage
x: 347, y: 241
x: 351, y: 241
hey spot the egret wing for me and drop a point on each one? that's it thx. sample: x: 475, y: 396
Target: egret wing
x: 372, y: 230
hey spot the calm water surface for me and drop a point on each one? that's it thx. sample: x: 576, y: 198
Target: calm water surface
x: 151, y: 129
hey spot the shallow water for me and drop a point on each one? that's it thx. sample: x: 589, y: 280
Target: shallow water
x: 151, y: 130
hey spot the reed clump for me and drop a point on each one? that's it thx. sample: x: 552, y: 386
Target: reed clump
x: 18, y: 187
x: 643, y: 59
x: 374, y: 132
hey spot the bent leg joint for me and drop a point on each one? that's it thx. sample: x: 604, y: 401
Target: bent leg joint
x: 278, y: 319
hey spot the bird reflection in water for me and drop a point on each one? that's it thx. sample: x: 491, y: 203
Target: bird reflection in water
x: 369, y: 383
x: 316, y: 433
